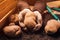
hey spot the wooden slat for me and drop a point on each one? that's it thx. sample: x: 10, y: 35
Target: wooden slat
x: 3, y: 20
x: 6, y: 6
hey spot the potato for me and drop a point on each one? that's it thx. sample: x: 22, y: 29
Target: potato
x: 22, y: 5
x: 39, y: 6
x: 30, y: 19
x: 52, y: 26
x: 14, y: 18
x: 12, y: 30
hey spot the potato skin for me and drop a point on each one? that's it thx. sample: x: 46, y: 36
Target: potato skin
x: 14, y: 18
x: 52, y: 26
x: 39, y: 6
x: 22, y: 5
x: 12, y: 31
x: 30, y: 20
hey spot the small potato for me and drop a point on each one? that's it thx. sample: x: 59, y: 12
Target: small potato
x: 22, y: 5
x: 12, y: 31
x: 39, y: 6
x: 52, y: 26
x: 14, y: 18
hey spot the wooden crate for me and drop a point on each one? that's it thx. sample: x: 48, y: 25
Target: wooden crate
x: 6, y: 8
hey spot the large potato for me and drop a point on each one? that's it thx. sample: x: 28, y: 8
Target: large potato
x: 12, y: 30
x: 52, y: 26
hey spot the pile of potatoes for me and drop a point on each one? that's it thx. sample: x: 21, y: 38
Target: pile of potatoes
x: 30, y: 19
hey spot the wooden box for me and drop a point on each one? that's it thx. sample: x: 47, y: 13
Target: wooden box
x: 6, y: 8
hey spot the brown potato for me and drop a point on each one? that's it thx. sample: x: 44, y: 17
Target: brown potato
x: 12, y: 30
x: 39, y: 6
x: 52, y: 26
x: 22, y: 5
x: 14, y: 18
x: 30, y: 19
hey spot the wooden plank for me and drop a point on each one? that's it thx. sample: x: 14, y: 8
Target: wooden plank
x: 3, y: 20
x: 6, y: 6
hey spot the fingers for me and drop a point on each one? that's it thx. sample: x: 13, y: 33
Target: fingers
x: 37, y: 27
x: 39, y: 17
x: 21, y: 24
x: 22, y: 14
x: 25, y: 28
